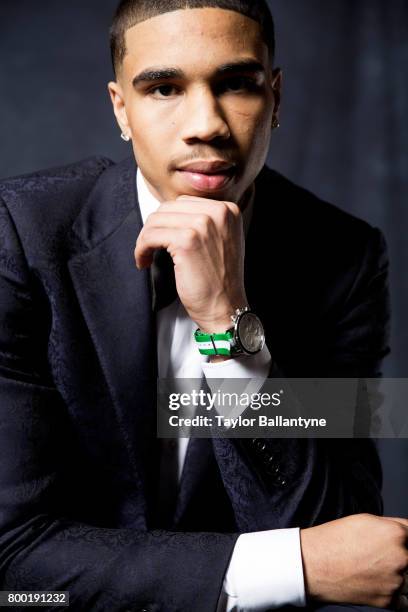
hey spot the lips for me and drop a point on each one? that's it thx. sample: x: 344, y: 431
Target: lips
x: 207, y: 176
x: 208, y: 167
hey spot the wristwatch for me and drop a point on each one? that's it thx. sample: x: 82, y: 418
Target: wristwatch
x: 245, y: 337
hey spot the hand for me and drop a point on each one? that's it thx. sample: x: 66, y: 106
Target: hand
x: 205, y: 239
x: 359, y: 559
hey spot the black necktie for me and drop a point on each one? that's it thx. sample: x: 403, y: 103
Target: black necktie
x: 164, y: 290
x: 167, y: 483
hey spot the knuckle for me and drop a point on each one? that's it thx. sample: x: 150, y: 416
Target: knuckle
x: 399, y: 583
x: 202, y: 223
x: 190, y: 239
x: 365, y: 515
x: 153, y: 217
x: 400, y: 532
x: 402, y: 561
x: 364, y: 519
x: 144, y: 236
x: 235, y: 209
x: 223, y: 213
x: 383, y: 601
x: 139, y: 244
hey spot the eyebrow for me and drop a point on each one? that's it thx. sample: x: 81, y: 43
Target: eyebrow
x: 162, y: 73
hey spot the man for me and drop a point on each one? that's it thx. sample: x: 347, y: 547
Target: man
x: 197, y: 93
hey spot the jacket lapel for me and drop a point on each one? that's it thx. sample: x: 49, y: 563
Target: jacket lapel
x: 115, y: 299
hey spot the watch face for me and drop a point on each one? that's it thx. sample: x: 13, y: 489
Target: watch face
x: 251, y: 333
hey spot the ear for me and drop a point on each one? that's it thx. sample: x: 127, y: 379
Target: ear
x: 118, y: 103
x: 277, y: 90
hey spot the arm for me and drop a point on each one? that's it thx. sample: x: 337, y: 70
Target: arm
x: 292, y: 482
x: 104, y: 569
x: 265, y: 570
x: 344, y: 476
x: 334, y: 477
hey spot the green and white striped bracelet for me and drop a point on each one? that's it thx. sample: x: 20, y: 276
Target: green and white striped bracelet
x: 214, y: 344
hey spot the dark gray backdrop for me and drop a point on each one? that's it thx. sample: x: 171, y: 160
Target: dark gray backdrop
x: 344, y: 127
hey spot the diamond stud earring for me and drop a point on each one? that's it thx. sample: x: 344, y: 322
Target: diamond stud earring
x: 125, y: 137
x: 275, y: 123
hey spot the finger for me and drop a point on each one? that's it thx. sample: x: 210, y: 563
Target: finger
x: 219, y: 211
x: 175, y: 219
x: 233, y: 207
x: 191, y: 206
x: 202, y: 223
x: 147, y: 242
x: 187, y: 197
x: 397, y: 519
x: 154, y: 238
x: 198, y: 198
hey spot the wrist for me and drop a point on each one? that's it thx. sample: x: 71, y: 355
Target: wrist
x: 218, y: 326
x: 245, y: 335
x: 311, y: 563
x: 218, y: 358
x: 218, y: 322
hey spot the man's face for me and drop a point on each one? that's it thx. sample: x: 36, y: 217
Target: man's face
x: 201, y: 110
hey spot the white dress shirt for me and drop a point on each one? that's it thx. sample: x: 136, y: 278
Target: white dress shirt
x: 265, y: 570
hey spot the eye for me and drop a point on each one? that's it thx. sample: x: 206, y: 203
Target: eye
x: 162, y: 91
x: 239, y: 83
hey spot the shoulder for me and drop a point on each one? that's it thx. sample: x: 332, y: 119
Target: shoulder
x: 316, y: 249
x: 62, y: 188
x: 40, y: 207
x: 56, y: 177
x: 313, y: 224
x: 299, y: 204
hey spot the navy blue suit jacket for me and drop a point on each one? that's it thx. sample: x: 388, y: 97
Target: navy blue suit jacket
x: 77, y: 391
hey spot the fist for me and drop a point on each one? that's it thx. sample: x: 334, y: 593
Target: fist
x: 359, y: 559
x: 205, y: 239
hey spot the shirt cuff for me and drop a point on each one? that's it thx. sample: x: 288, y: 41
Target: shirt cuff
x: 245, y: 374
x: 265, y: 572
x: 244, y: 366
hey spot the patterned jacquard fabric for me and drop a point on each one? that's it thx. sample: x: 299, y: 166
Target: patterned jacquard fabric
x: 78, y: 390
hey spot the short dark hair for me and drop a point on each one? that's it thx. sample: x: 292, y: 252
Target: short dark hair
x: 132, y: 12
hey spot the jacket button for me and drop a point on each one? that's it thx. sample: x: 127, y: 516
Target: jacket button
x: 261, y: 446
x: 280, y: 481
x: 272, y: 468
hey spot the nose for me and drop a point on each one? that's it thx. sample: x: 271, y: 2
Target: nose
x: 204, y: 119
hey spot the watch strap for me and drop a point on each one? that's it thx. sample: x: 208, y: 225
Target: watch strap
x: 214, y: 344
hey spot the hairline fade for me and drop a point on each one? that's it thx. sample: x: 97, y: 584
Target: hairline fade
x: 131, y: 12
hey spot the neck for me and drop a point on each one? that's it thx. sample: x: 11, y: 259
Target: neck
x: 245, y: 201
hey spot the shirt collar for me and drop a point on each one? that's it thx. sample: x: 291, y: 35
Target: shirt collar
x: 149, y: 204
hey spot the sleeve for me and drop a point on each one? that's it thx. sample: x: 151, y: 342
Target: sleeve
x: 360, y: 340
x: 41, y: 549
x: 300, y: 482
x: 345, y: 475
x: 328, y: 478
x: 265, y: 572
x: 245, y: 366
x: 249, y: 373
x: 266, y: 568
